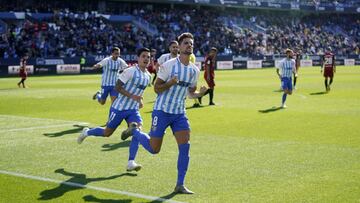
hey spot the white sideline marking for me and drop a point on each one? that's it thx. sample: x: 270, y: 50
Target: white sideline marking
x: 41, y: 119
x: 302, y: 96
x: 42, y: 127
x: 88, y: 187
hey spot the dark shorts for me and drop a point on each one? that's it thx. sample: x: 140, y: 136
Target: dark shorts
x: 162, y: 120
x: 328, y: 72
x: 106, y: 90
x: 116, y: 117
x: 286, y: 83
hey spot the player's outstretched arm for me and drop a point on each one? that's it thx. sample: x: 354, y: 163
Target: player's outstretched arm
x: 96, y: 66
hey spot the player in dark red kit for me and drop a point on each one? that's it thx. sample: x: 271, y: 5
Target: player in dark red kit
x: 209, y: 74
x: 297, y: 57
x: 23, y: 73
x: 328, y: 67
x: 152, y: 66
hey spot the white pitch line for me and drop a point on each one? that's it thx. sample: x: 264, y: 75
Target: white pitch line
x: 42, y: 127
x: 152, y: 198
x: 302, y: 96
x: 41, y: 119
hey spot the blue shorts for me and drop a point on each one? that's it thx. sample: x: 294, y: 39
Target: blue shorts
x: 106, y: 90
x: 286, y: 83
x: 116, y: 117
x: 162, y: 120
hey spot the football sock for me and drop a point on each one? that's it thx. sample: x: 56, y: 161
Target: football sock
x: 284, y: 98
x: 183, y: 162
x: 144, y: 140
x: 98, y: 96
x: 211, y: 95
x: 326, y: 83
x: 331, y: 80
x: 295, y: 78
x: 134, y: 146
x: 96, y: 132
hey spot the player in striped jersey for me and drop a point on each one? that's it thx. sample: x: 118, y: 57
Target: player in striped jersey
x: 287, y: 68
x: 174, y: 52
x: 111, y: 66
x: 176, y: 78
x: 130, y: 86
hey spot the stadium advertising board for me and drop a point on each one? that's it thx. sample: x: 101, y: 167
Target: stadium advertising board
x: 239, y: 64
x: 42, y: 61
x: 68, y: 69
x: 254, y: 64
x: 349, y: 62
x: 316, y: 62
x: 268, y: 64
x: 357, y: 62
x: 224, y: 65
x: 306, y: 63
x: 12, y: 70
x: 89, y: 69
x: 44, y: 70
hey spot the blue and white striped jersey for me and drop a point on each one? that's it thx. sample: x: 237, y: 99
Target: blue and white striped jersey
x: 111, y: 69
x: 286, y: 66
x: 135, y: 81
x: 163, y: 58
x: 173, y: 100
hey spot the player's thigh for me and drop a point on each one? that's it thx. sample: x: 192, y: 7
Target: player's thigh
x: 181, y: 129
x: 113, y: 94
x: 134, y: 116
x: 160, y: 121
x: 115, y: 118
x: 105, y: 91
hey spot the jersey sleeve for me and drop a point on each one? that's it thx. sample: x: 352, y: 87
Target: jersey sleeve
x: 161, y: 59
x: 103, y: 62
x: 164, y: 73
x: 125, y: 76
x: 123, y: 65
x: 197, y: 73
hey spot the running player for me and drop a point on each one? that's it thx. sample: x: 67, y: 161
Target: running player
x: 111, y: 66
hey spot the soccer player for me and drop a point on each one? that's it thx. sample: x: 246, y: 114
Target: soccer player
x: 153, y: 65
x: 23, y: 73
x: 209, y: 74
x: 174, y: 52
x: 297, y: 65
x: 111, y: 65
x: 176, y: 78
x: 287, y: 68
x: 329, y: 68
x: 130, y: 86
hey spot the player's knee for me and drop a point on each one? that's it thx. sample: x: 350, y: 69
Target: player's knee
x: 155, y: 150
x: 102, y: 102
x: 107, y: 134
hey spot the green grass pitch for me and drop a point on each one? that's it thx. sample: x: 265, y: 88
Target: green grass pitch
x: 244, y: 149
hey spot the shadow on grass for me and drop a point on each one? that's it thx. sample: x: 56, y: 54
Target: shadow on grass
x: 92, y: 198
x: 164, y: 198
x: 318, y: 93
x: 77, y: 129
x: 76, y: 182
x: 272, y: 109
x: 110, y: 147
x: 278, y: 90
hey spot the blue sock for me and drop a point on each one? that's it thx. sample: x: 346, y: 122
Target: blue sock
x: 96, y: 132
x: 183, y: 162
x: 144, y: 140
x: 284, y: 98
x: 134, y: 146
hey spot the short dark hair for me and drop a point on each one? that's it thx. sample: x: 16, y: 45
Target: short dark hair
x: 153, y: 50
x: 115, y: 49
x: 141, y: 50
x: 173, y: 42
x: 183, y: 36
x: 213, y: 49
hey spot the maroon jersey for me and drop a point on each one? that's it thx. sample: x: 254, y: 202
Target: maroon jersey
x: 152, y: 67
x: 23, y: 73
x: 329, y: 64
x: 297, y: 60
x: 209, y: 71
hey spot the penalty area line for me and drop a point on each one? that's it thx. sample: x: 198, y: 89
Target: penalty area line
x: 72, y: 184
